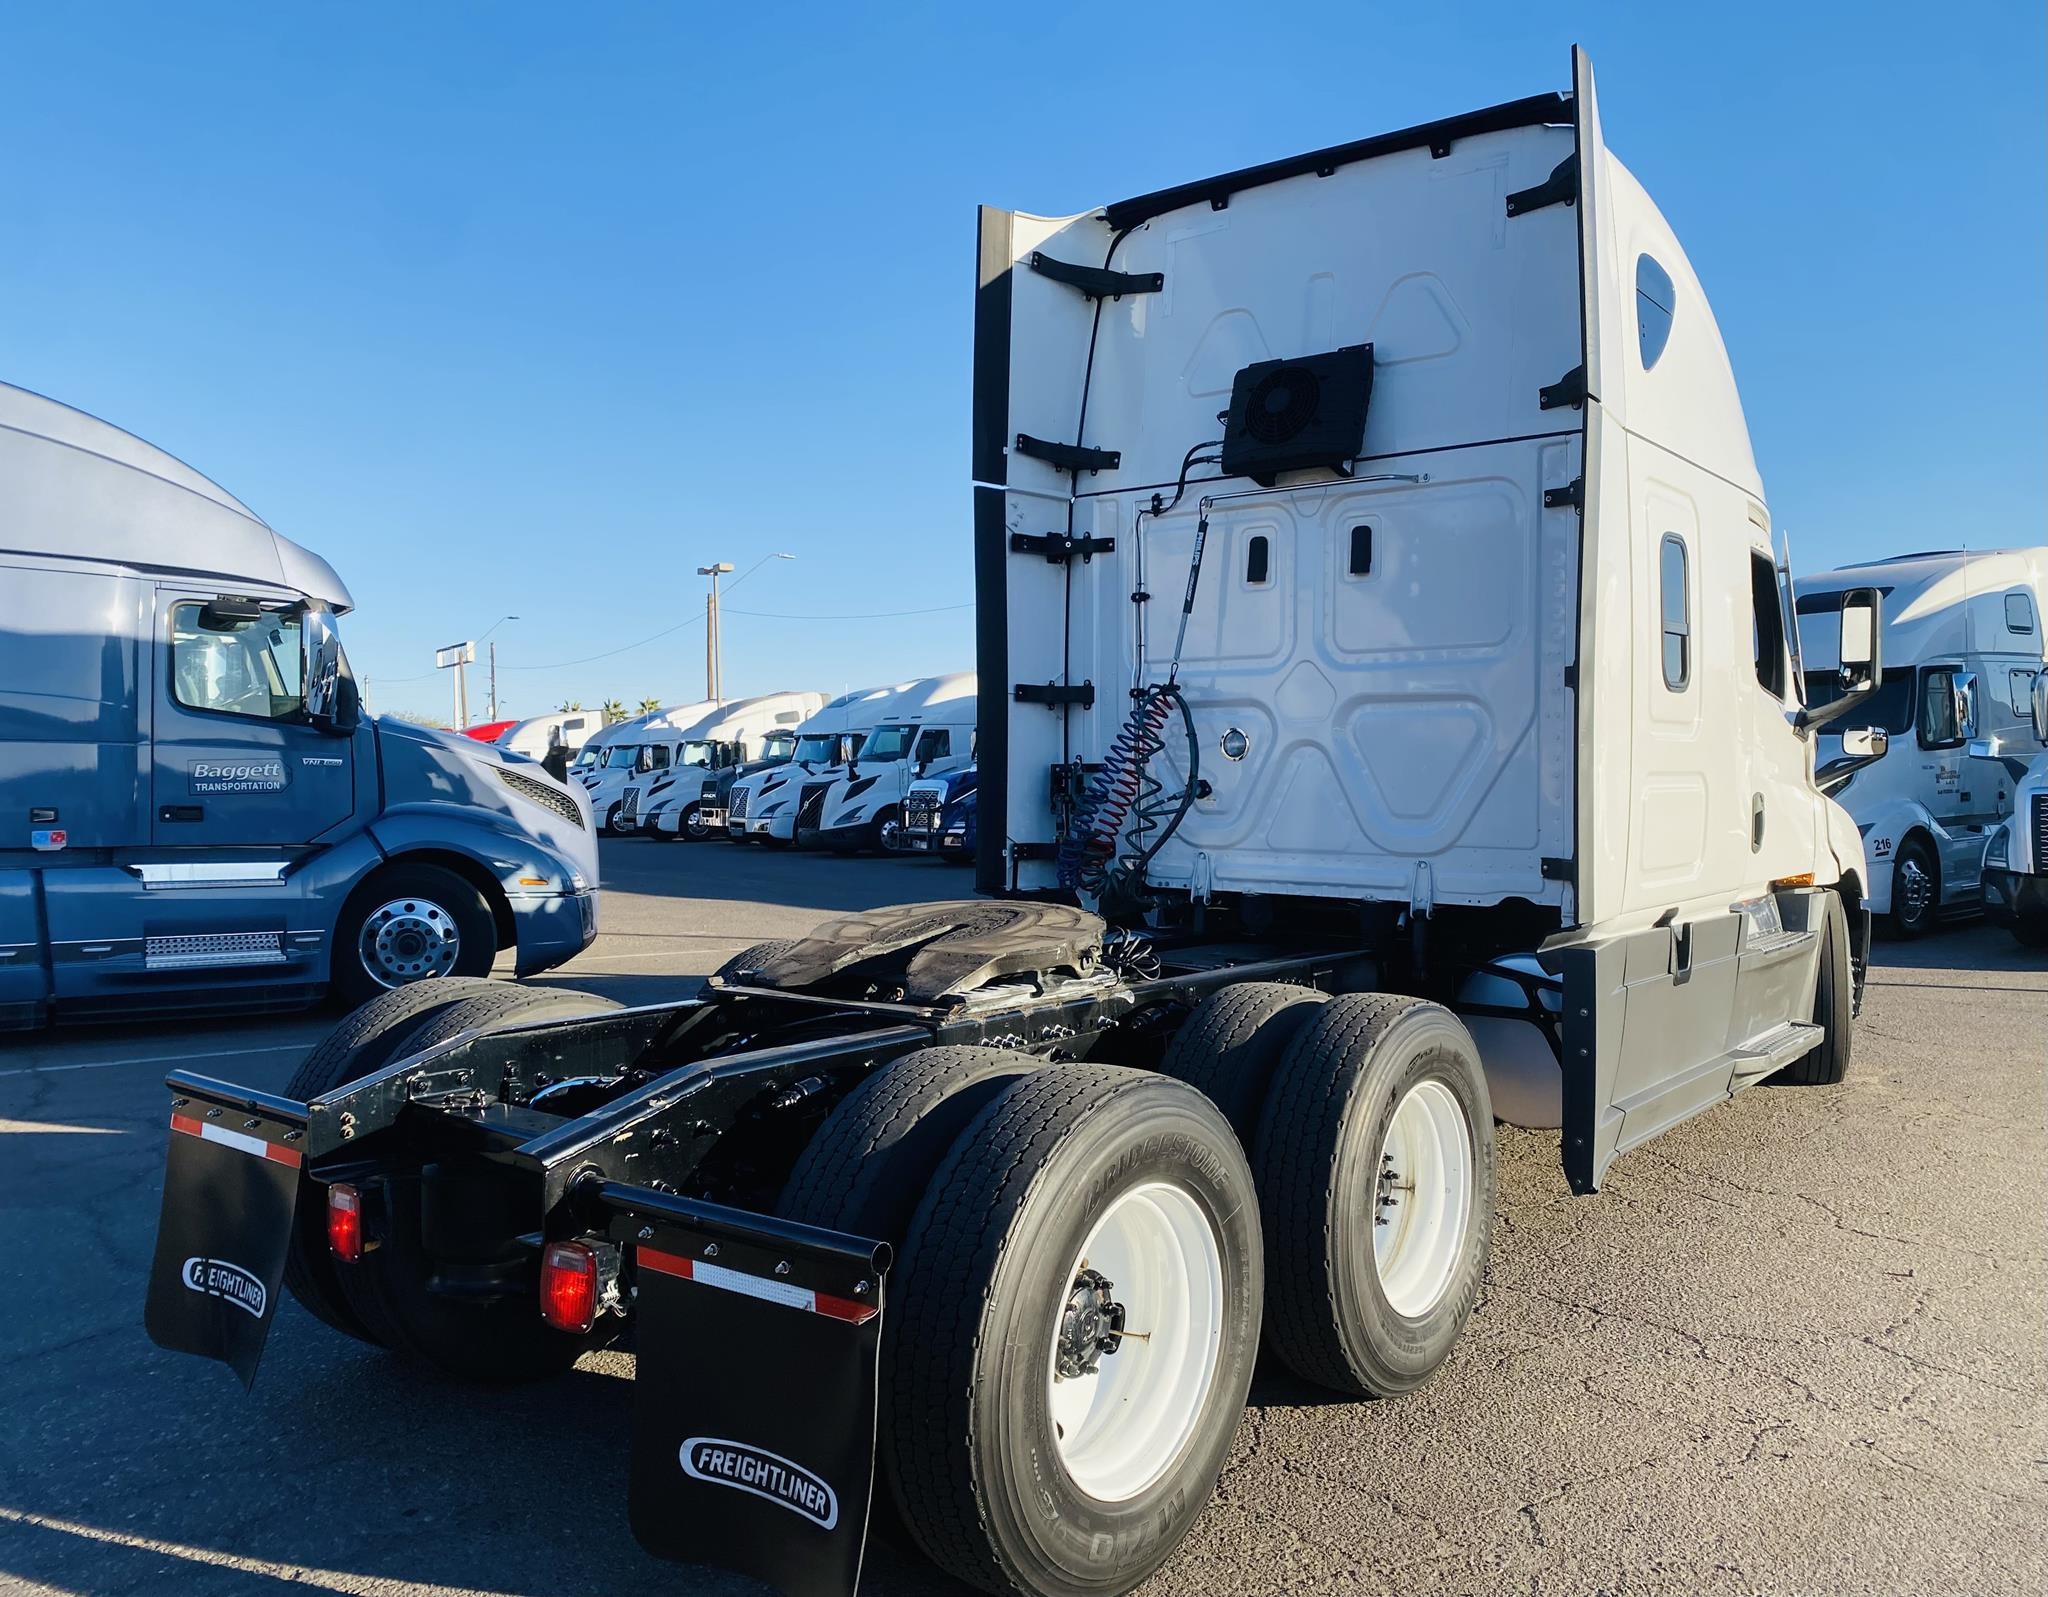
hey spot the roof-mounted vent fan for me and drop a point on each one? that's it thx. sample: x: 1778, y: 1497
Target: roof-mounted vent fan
x: 1296, y: 415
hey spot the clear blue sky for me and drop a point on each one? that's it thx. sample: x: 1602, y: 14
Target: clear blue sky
x: 535, y: 308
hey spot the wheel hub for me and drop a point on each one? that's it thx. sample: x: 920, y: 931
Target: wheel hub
x: 409, y: 940
x: 1919, y: 888
x: 1091, y: 1326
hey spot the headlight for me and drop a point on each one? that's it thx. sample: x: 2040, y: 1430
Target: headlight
x: 579, y: 881
x: 1999, y: 849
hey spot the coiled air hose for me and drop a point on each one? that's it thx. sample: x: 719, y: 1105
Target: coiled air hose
x: 1125, y: 792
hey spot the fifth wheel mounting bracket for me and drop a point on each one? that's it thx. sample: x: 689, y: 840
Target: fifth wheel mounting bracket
x: 1097, y: 282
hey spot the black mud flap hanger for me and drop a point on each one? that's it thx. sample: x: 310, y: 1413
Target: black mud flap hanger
x: 1055, y: 695
x: 754, y: 1400
x: 1068, y: 457
x: 1097, y: 282
x: 231, y: 1190
x: 1060, y: 547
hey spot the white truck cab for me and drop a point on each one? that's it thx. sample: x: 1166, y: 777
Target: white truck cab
x: 635, y: 752
x: 2016, y: 854
x: 730, y: 736
x: 762, y: 807
x: 1414, y: 564
x: 1962, y: 651
x: 927, y: 729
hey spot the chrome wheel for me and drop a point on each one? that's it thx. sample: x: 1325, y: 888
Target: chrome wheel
x: 407, y: 940
x: 1915, y: 890
x: 1424, y: 1202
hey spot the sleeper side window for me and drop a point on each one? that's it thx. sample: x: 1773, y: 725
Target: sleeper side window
x: 2019, y: 614
x: 1654, y: 302
x: 1674, y: 581
x: 237, y: 667
x: 1767, y: 625
x: 1258, y: 560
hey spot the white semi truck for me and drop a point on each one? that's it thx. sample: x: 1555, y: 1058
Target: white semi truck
x: 2016, y: 853
x: 1962, y: 651
x: 1456, y: 691
x: 927, y: 728
x: 727, y: 737
x: 634, y: 753
x: 763, y: 807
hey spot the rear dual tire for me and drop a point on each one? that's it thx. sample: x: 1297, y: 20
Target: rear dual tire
x: 1078, y: 1188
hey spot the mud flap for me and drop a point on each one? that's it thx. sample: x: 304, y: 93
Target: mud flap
x: 231, y: 1183
x: 754, y: 1408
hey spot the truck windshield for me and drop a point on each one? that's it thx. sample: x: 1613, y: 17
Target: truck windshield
x: 585, y: 758
x: 1890, y: 707
x: 888, y: 743
x: 818, y: 748
x: 621, y: 756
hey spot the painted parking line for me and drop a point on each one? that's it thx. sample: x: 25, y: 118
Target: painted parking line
x: 161, y: 1059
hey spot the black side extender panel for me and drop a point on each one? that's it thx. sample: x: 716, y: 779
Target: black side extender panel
x: 1296, y: 415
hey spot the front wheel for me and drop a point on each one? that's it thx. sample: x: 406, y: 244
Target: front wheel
x: 1916, y: 889
x: 1075, y: 1319
x: 411, y: 923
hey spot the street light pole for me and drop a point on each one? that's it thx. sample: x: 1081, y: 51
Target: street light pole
x: 714, y: 686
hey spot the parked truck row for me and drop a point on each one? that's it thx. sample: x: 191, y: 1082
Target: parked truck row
x: 1391, y: 714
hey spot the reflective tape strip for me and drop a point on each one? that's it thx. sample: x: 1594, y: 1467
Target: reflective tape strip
x: 240, y: 1141
x: 795, y: 1297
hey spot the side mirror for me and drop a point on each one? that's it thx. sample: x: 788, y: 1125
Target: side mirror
x: 1966, y: 703
x: 2040, y: 706
x: 331, y: 701
x: 1860, y: 657
x: 1866, y: 743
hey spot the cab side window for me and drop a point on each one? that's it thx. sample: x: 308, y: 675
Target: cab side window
x: 934, y: 743
x: 236, y: 667
x: 1938, y: 726
x: 1674, y: 581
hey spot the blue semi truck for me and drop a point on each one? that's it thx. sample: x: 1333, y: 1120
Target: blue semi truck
x: 195, y: 814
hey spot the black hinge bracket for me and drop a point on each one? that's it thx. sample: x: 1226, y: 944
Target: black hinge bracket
x: 1571, y: 678
x: 1559, y: 870
x: 1097, y: 282
x: 1034, y: 851
x: 1570, y: 389
x: 1572, y: 494
x: 1560, y: 188
x: 1068, y: 457
x: 1055, y: 695
x: 1059, y: 547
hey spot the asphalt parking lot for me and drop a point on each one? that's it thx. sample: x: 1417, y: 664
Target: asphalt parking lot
x: 1798, y: 1345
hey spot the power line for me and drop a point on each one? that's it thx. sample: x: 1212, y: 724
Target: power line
x: 850, y: 615
x: 609, y: 653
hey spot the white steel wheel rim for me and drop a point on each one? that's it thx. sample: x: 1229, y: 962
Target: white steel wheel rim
x: 1123, y: 1425
x: 409, y: 940
x: 1423, y: 1198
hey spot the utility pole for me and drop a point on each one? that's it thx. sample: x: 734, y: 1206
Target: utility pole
x: 457, y: 655
x: 493, y: 627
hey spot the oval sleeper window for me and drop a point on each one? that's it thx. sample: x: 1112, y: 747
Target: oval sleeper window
x: 1654, y: 300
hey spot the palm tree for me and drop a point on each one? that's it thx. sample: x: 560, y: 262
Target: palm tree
x: 569, y: 704
x: 649, y: 706
x: 613, y: 711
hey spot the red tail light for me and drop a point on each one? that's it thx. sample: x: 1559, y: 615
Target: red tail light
x: 345, y: 1222
x: 568, y: 1286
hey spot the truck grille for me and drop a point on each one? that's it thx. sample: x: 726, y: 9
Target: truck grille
x: 810, y: 807
x: 740, y: 795
x: 921, y: 812
x: 2040, y: 860
x: 545, y: 794
x: 631, y: 807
